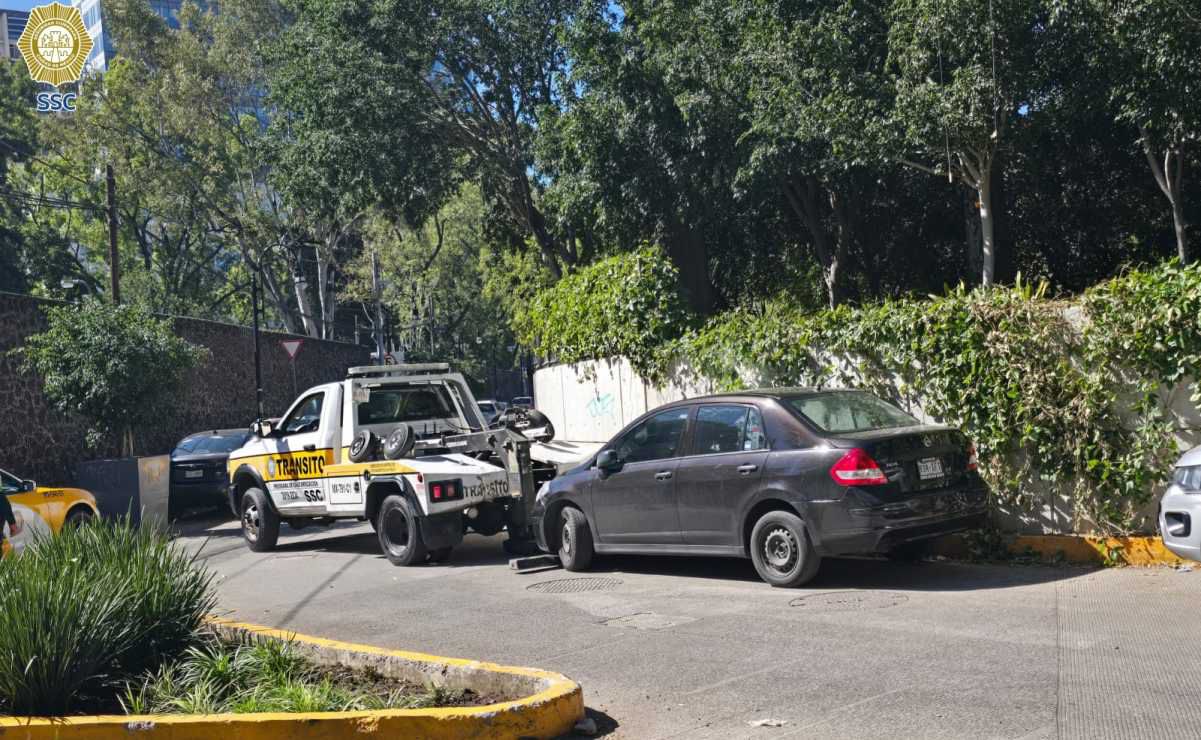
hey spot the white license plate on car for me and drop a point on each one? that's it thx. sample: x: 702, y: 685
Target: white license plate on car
x: 193, y: 473
x: 930, y: 467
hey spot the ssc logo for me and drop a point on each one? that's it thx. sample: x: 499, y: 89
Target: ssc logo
x: 53, y: 102
x: 55, y: 45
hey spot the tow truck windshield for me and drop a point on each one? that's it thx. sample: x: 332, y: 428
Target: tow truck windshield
x: 405, y: 404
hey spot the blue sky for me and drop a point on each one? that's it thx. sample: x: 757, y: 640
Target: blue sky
x: 25, y: 4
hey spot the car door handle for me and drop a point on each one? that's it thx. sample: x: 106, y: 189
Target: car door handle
x: 663, y: 475
x: 310, y: 448
x: 747, y: 469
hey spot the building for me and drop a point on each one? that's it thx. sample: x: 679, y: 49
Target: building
x: 93, y: 20
x: 12, y: 24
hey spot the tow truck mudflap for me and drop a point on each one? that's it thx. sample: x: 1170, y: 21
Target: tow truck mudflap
x: 442, y: 530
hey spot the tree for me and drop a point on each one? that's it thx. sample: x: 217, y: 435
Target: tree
x: 116, y: 366
x: 434, y: 286
x: 18, y: 141
x: 1152, y: 51
x: 965, y: 71
x: 190, y: 103
x: 440, y: 90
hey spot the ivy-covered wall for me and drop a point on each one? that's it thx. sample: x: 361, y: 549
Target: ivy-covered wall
x: 1078, y: 405
x: 38, y: 442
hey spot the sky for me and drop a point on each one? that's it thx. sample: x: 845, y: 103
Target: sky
x: 25, y: 4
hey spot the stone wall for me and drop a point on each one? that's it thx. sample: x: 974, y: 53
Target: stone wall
x: 38, y: 442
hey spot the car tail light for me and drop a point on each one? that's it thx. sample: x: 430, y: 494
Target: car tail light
x: 973, y: 462
x: 857, y: 468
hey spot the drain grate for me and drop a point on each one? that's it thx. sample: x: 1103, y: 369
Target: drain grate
x: 575, y: 585
x: 846, y: 601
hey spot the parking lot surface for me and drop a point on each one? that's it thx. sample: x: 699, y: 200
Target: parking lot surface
x: 700, y: 648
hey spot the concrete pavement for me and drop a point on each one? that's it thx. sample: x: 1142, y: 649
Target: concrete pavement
x: 700, y: 648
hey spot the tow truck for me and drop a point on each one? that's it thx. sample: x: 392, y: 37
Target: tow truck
x: 404, y: 447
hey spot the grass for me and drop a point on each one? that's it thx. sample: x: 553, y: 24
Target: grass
x: 220, y: 677
x: 84, y: 611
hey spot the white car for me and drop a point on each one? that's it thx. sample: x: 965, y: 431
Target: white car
x: 1180, y: 508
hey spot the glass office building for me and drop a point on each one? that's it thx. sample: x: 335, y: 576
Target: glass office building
x: 93, y: 20
x: 12, y: 23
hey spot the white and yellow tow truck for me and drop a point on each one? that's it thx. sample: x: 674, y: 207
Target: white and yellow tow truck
x: 402, y: 446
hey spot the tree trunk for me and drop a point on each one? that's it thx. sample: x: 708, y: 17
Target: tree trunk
x: 1182, y: 246
x: 301, y: 287
x: 325, y: 294
x: 988, y: 245
x: 1168, y: 176
x: 690, y: 255
x: 803, y: 200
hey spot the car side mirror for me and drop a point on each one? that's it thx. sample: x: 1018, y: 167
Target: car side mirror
x: 28, y: 486
x: 261, y: 428
x: 608, y: 462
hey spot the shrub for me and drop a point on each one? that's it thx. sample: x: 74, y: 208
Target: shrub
x: 116, y: 366
x: 85, y: 610
x: 267, y: 676
x: 627, y: 305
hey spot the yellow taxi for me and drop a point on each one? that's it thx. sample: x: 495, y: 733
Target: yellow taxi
x: 39, y: 510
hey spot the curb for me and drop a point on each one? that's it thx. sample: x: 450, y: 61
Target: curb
x: 1089, y: 550
x: 550, y: 707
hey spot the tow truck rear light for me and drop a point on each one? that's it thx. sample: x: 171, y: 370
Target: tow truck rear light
x: 857, y: 468
x: 445, y: 490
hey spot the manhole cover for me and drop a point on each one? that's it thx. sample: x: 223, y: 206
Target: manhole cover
x: 845, y: 601
x: 574, y: 585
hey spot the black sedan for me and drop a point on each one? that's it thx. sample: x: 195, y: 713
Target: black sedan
x: 198, y: 475
x: 782, y: 476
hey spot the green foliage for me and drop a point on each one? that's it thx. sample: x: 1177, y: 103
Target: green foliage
x: 116, y: 366
x: 84, y: 610
x: 625, y: 305
x: 1044, y: 390
x: 264, y: 676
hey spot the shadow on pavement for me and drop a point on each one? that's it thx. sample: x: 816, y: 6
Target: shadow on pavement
x: 854, y: 573
x: 605, y: 725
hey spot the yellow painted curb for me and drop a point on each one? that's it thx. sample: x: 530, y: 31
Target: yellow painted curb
x: 551, y: 711
x: 1141, y: 551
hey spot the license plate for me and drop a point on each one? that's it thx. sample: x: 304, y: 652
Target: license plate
x: 193, y: 473
x: 930, y: 467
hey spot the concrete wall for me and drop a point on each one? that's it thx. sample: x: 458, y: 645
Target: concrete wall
x: 38, y: 442
x: 592, y: 401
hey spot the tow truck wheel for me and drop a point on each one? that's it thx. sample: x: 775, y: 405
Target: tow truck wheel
x: 399, y: 532
x: 260, y: 523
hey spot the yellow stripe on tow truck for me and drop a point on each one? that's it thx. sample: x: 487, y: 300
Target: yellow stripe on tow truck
x: 300, y: 465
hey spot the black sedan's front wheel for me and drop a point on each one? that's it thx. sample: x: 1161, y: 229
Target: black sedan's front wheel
x: 575, y: 540
x: 782, y: 551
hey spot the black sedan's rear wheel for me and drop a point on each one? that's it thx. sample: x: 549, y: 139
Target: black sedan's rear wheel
x: 782, y: 551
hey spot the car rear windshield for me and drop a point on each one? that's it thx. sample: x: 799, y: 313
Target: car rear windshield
x: 211, y: 443
x: 413, y: 403
x: 844, y: 412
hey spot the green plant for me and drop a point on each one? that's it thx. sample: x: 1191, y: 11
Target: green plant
x: 627, y: 305
x: 84, y: 610
x: 269, y: 676
x: 116, y: 366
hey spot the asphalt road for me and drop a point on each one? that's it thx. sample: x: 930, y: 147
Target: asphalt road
x: 700, y: 648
